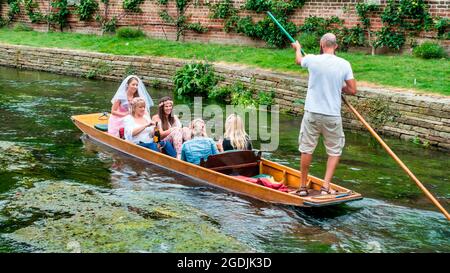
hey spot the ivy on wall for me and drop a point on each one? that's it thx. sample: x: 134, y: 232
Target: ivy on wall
x: 265, y: 29
x: 180, y: 20
x: 399, y: 17
x: 86, y: 9
x: 132, y: 5
x: 59, y: 14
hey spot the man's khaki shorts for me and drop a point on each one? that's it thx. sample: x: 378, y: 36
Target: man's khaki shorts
x: 329, y: 126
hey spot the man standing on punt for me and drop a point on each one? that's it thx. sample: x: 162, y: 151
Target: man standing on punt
x: 327, y: 75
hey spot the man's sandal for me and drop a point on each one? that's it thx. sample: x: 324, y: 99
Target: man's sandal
x: 325, y: 191
x: 303, y: 191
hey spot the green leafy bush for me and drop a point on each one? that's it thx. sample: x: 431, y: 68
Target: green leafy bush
x: 241, y: 95
x: 127, y: 32
x: 266, y: 98
x: 222, y: 93
x: 195, y: 79
x: 429, y: 50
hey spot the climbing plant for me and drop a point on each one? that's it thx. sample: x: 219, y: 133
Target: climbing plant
x: 363, y: 10
x: 180, y: 21
x: 14, y: 9
x: 400, y: 18
x: 59, y: 14
x: 264, y: 29
x: 132, y: 5
x: 86, y: 9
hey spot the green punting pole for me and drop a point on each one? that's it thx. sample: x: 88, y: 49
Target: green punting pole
x: 283, y: 30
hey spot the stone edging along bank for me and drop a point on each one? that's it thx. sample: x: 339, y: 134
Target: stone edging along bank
x: 400, y: 114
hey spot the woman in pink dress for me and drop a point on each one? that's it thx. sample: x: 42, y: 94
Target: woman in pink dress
x: 130, y: 88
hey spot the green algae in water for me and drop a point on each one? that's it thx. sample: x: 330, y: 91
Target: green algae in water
x: 68, y: 217
x: 13, y: 157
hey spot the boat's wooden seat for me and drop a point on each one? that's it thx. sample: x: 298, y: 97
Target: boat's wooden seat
x: 244, y: 163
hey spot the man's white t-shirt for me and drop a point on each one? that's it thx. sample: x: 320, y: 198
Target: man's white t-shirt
x: 327, y: 74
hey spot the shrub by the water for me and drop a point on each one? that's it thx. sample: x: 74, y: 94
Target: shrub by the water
x: 429, y: 50
x: 195, y: 79
x: 127, y: 32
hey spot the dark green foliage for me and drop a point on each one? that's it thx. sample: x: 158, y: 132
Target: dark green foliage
x: 222, y: 10
x: 195, y: 79
x: 180, y: 21
x: 362, y: 9
x: 14, y: 8
x: 127, y: 32
x: 197, y: 27
x: 35, y: 17
x: 407, y: 15
x: 429, y: 50
x: 265, y: 29
x: 389, y: 38
x: 62, y: 13
x: 241, y: 95
x: 221, y: 93
x: 442, y: 25
x: 132, y: 5
x: 320, y: 26
x: 266, y: 98
x: 86, y: 9
x: 108, y: 25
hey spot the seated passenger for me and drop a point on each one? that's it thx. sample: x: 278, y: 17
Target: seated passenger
x: 200, y: 146
x: 139, y: 129
x: 235, y: 137
x: 130, y: 88
x: 169, y: 125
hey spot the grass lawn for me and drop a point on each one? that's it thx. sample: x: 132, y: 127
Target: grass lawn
x: 396, y: 71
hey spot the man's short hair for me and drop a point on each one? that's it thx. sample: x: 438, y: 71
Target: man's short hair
x: 328, y: 40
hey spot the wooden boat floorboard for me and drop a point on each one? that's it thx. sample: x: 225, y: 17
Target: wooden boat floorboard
x: 286, y: 175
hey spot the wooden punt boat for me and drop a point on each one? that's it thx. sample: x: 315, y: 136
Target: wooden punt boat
x: 288, y: 176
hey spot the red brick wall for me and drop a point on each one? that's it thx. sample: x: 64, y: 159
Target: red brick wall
x: 152, y: 24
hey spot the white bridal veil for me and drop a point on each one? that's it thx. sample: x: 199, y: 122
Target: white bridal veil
x: 121, y: 93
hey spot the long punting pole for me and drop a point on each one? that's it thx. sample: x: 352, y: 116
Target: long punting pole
x: 395, y: 157
x: 283, y: 30
x: 377, y: 137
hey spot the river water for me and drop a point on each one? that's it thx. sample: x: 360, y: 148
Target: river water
x: 46, y: 165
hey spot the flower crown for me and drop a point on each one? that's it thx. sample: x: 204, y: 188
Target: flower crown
x: 162, y: 103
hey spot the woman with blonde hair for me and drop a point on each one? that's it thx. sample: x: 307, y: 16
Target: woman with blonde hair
x: 200, y: 146
x: 139, y: 129
x: 235, y: 137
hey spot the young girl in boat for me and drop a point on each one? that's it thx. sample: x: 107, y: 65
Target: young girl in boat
x: 235, y: 137
x: 169, y: 125
x: 139, y: 129
x: 131, y: 87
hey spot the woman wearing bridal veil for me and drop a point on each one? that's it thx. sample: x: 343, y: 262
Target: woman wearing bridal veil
x: 130, y: 88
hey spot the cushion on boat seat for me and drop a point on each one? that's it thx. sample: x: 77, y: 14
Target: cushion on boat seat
x: 101, y: 127
x: 244, y: 163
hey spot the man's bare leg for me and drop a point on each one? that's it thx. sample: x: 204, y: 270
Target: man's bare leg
x: 332, y: 163
x: 304, y: 168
